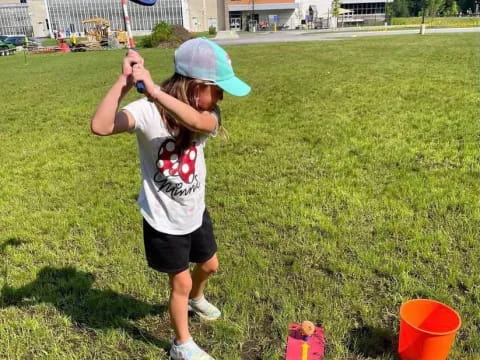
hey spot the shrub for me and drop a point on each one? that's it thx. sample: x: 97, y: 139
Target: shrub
x: 145, y: 42
x: 161, y: 33
x: 212, y: 30
x: 165, y: 35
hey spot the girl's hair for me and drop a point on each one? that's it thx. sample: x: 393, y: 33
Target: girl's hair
x: 183, y: 88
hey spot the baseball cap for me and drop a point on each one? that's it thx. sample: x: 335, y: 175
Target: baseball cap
x: 201, y: 58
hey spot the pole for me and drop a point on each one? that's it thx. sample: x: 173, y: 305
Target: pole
x: 251, y: 17
x: 204, y: 17
x: 422, y: 27
x: 423, y: 12
x: 25, y: 44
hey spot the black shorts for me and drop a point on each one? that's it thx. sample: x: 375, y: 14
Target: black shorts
x: 173, y: 253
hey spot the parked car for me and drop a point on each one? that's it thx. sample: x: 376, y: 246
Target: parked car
x: 19, y: 40
x: 7, y: 48
x: 4, y: 45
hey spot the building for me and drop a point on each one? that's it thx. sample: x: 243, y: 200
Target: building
x: 262, y: 14
x: 200, y: 15
x: 15, y: 18
x: 41, y: 18
x: 367, y: 12
x: 254, y: 15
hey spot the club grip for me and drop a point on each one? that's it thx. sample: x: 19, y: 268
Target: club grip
x: 140, y: 87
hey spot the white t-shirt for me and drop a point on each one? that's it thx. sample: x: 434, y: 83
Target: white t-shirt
x: 172, y: 196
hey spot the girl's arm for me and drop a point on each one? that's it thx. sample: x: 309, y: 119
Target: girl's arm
x: 194, y: 120
x: 107, y: 120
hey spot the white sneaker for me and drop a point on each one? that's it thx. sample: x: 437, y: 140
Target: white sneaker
x: 204, y: 309
x: 188, y: 351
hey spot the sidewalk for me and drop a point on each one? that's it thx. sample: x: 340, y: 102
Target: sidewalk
x: 265, y: 37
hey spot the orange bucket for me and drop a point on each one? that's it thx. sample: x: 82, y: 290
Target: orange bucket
x: 427, y: 330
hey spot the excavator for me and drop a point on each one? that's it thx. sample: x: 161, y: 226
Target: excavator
x: 96, y: 31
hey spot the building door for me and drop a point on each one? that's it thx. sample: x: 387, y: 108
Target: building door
x: 195, y: 24
x: 235, y: 23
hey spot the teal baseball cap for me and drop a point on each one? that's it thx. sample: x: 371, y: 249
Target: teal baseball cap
x: 202, y: 59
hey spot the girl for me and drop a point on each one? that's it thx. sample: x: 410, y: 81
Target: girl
x: 172, y: 125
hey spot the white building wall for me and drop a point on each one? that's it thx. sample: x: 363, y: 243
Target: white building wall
x: 186, y: 15
x: 323, y: 7
x: 38, y: 15
x: 289, y: 19
x: 286, y: 18
x: 199, y: 15
x: 294, y: 19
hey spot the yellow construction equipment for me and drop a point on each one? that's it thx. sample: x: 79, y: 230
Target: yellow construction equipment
x: 97, y: 29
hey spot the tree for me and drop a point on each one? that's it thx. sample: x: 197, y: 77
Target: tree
x: 451, y: 8
x: 335, y: 13
x: 434, y: 7
x: 400, y: 8
x: 415, y: 7
x: 336, y: 8
x: 466, y: 4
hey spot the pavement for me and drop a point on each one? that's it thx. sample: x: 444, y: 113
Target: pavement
x: 265, y: 37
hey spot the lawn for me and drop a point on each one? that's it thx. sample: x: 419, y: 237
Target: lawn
x: 438, y: 21
x: 349, y: 184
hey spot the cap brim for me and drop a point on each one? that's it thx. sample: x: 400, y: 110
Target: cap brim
x: 234, y: 86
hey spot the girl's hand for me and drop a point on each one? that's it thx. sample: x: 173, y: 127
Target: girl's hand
x: 129, y: 60
x: 139, y: 73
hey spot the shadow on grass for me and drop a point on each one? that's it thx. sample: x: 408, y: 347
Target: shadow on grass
x: 71, y: 292
x: 370, y: 342
x: 13, y: 242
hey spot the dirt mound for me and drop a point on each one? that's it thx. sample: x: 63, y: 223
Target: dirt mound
x: 178, y: 36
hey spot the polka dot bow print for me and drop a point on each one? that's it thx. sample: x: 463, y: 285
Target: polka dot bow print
x: 172, y: 163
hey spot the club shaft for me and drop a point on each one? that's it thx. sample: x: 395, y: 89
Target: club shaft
x: 131, y: 43
x: 126, y: 18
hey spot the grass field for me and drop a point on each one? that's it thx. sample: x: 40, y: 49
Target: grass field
x: 350, y: 183
x: 438, y: 21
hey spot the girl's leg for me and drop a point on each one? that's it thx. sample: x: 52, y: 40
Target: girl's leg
x: 181, y: 286
x: 200, y: 275
x: 183, y: 348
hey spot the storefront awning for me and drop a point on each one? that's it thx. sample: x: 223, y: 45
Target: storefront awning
x: 259, y: 7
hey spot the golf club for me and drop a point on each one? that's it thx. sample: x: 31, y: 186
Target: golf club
x: 131, y: 43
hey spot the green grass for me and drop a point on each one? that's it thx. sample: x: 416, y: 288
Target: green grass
x: 50, y: 42
x: 204, y: 34
x: 349, y: 185
x: 410, y: 23
x: 439, y: 21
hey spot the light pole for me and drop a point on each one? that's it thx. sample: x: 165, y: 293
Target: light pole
x: 422, y: 27
x: 252, y: 25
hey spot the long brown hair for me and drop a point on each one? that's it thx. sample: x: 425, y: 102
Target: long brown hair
x: 182, y: 88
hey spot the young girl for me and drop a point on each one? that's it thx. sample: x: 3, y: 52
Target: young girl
x: 172, y: 124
